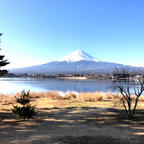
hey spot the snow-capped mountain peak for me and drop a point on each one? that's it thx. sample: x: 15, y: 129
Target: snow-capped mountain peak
x: 76, y: 62
x: 78, y: 56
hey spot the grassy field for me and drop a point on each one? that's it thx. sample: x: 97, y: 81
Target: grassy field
x: 86, y: 118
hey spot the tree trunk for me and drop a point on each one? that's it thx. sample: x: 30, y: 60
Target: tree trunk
x: 125, y: 106
x: 136, y: 101
x: 129, y: 110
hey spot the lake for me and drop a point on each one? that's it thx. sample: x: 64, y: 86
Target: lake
x: 13, y: 85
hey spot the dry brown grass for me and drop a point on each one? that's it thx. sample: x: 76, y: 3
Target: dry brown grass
x: 81, y: 97
x: 7, y: 99
x: 78, y: 115
x: 91, y: 97
x: 98, y: 96
x: 49, y: 95
x: 70, y: 96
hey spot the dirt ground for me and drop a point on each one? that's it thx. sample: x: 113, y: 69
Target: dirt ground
x: 72, y: 122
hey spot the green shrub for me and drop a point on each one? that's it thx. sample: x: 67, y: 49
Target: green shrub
x: 25, y: 110
x: 24, y: 98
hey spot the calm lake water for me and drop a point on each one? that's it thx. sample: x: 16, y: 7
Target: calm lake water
x: 13, y: 85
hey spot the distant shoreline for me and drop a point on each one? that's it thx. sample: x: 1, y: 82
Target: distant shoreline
x: 75, y: 78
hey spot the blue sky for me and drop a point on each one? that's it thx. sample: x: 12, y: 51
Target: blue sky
x: 38, y: 31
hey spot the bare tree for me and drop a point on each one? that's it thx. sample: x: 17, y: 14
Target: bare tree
x: 131, y: 92
x: 121, y: 73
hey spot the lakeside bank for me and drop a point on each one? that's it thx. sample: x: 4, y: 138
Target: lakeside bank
x: 87, y: 118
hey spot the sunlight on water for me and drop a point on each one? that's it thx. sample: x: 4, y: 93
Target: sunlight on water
x: 13, y: 85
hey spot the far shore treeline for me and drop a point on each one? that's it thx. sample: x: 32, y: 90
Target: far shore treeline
x: 116, y: 74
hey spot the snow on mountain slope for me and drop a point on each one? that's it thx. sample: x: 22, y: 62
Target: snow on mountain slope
x: 78, y: 56
x: 78, y: 61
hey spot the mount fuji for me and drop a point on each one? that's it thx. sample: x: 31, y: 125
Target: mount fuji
x: 78, y: 55
x: 75, y: 62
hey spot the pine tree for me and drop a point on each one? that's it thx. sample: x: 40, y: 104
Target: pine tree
x: 3, y: 62
x: 25, y: 110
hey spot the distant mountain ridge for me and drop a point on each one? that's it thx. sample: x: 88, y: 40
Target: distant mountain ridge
x: 76, y: 62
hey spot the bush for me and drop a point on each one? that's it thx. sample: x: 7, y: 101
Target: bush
x: 24, y: 110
